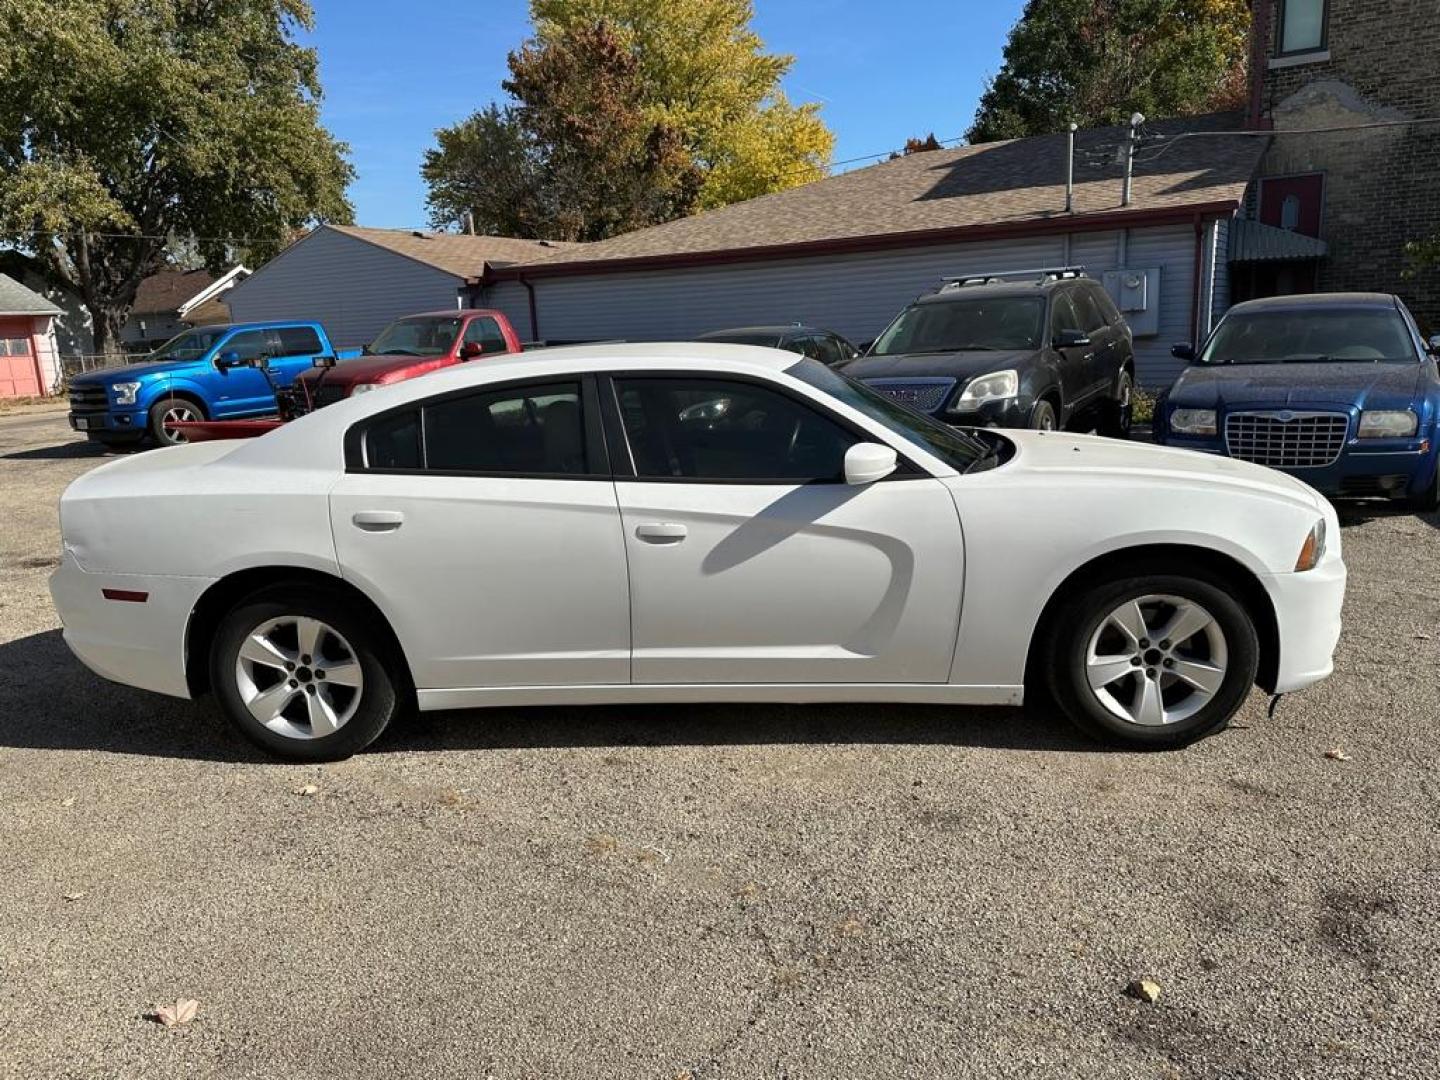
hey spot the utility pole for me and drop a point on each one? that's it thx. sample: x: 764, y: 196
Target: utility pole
x: 1136, y: 119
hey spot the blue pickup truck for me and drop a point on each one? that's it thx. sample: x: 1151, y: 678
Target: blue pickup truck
x: 198, y: 375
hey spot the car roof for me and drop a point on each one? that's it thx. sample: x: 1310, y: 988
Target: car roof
x: 1039, y: 289
x: 1311, y: 301
x: 449, y: 313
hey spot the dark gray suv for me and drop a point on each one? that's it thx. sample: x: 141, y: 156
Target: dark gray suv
x: 1035, y: 348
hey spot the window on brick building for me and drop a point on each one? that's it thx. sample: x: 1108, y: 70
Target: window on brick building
x: 1302, y: 26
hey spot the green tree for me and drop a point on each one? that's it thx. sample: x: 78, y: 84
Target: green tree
x: 1095, y: 62
x: 126, y: 123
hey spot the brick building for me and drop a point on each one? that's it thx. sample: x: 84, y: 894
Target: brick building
x: 1364, y: 193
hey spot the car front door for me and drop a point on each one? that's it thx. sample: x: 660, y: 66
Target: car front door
x: 484, y: 523
x: 242, y: 390
x: 752, y: 561
x: 1104, y: 362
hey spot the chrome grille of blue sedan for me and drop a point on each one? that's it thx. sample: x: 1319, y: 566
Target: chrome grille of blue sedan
x: 1284, y: 439
x: 925, y: 395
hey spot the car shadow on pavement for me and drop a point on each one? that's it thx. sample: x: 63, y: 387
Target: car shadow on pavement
x: 66, y: 451
x: 1363, y: 512
x: 49, y: 701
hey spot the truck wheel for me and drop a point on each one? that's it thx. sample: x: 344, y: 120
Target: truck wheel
x: 170, y: 410
x: 302, y: 673
x: 1152, y: 659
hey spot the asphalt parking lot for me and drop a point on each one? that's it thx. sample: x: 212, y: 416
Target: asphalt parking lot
x: 719, y: 891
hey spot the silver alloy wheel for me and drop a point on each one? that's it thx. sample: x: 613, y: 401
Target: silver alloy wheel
x: 299, y: 677
x: 1156, y: 660
x: 178, y: 413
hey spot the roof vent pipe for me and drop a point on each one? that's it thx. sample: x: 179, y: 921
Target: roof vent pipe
x: 1136, y: 119
x: 1070, y: 170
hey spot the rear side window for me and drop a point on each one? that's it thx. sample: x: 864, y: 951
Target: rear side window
x: 394, y: 442
x: 1108, y: 309
x: 532, y: 429
x: 1092, y: 317
x: 298, y: 341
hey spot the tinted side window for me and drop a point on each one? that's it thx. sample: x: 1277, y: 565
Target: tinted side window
x: 714, y: 429
x: 529, y: 429
x: 1062, y: 315
x: 298, y: 341
x: 1108, y: 309
x: 486, y: 334
x: 1092, y: 319
x: 394, y: 442
x: 250, y: 344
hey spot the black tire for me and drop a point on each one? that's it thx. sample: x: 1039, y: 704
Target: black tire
x: 1117, y: 412
x: 170, y: 407
x: 1043, y: 417
x: 378, y: 699
x: 1429, y: 499
x: 1081, y: 615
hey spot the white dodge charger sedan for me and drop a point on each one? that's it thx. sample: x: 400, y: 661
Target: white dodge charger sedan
x: 635, y: 523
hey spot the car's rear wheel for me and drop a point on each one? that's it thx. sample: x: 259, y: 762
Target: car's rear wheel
x: 1152, y: 660
x: 301, y: 673
x: 171, y: 410
x: 1116, y: 414
x: 1042, y: 416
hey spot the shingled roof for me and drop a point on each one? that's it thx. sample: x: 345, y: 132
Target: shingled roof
x: 456, y: 253
x: 163, y: 293
x: 16, y: 299
x: 942, y: 193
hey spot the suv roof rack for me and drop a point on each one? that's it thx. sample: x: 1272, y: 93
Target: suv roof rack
x: 1040, y: 276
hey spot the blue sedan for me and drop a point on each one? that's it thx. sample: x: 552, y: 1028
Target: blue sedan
x: 1340, y: 390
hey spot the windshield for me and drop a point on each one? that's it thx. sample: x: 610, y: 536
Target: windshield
x: 1310, y: 336
x: 950, y: 445
x: 191, y: 345
x: 1000, y: 323
x: 429, y: 335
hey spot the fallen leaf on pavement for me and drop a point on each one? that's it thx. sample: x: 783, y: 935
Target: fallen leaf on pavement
x: 71, y: 897
x: 182, y: 1012
x: 1337, y: 754
x: 68, y: 801
x: 308, y: 789
x: 1144, y: 990
x: 851, y: 927
x: 602, y: 844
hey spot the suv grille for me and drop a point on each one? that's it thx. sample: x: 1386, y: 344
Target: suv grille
x: 1286, y: 440
x: 922, y: 395
x: 89, y: 399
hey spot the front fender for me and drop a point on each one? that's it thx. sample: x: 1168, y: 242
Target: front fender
x: 154, y: 389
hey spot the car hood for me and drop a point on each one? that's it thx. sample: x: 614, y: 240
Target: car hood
x: 1351, y: 383
x: 131, y: 372
x: 371, y: 368
x: 965, y: 364
x: 1064, y: 453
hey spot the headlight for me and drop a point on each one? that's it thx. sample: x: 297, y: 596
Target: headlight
x: 1193, y: 421
x: 125, y: 392
x: 1313, y: 548
x: 1387, y: 423
x: 360, y: 388
x: 992, y: 387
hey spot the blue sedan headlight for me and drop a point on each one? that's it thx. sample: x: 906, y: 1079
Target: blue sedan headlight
x: 1387, y: 424
x: 1193, y: 421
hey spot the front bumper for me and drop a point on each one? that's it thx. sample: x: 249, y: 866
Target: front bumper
x: 1307, y: 613
x: 115, y: 422
x: 138, y: 643
x: 1012, y: 412
x: 1366, y: 467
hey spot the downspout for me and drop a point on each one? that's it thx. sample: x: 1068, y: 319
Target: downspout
x: 1197, y: 283
x: 534, y: 318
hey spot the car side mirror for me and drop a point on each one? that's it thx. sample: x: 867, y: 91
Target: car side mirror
x: 1071, y: 339
x: 470, y: 350
x: 867, y: 462
x: 1183, y: 352
x: 1435, y: 344
x: 229, y: 359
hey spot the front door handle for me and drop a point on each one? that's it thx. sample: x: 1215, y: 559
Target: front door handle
x: 661, y: 532
x: 378, y: 520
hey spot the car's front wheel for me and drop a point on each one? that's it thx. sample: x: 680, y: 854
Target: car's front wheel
x: 301, y: 673
x: 1152, y: 660
x: 169, y: 411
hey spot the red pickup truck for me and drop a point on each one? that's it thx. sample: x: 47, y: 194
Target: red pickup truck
x: 409, y: 346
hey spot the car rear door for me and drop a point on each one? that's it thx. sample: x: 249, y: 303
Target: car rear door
x: 484, y: 523
x: 752, y: 561
x: 1104, y: 356
x: 1074, y: 360
x: 294, y: 351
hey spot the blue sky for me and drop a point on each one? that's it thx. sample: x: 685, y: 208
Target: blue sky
x: 881, y: 70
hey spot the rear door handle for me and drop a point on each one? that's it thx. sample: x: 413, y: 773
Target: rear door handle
x: 661, y: 532
x: 378, y: 520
